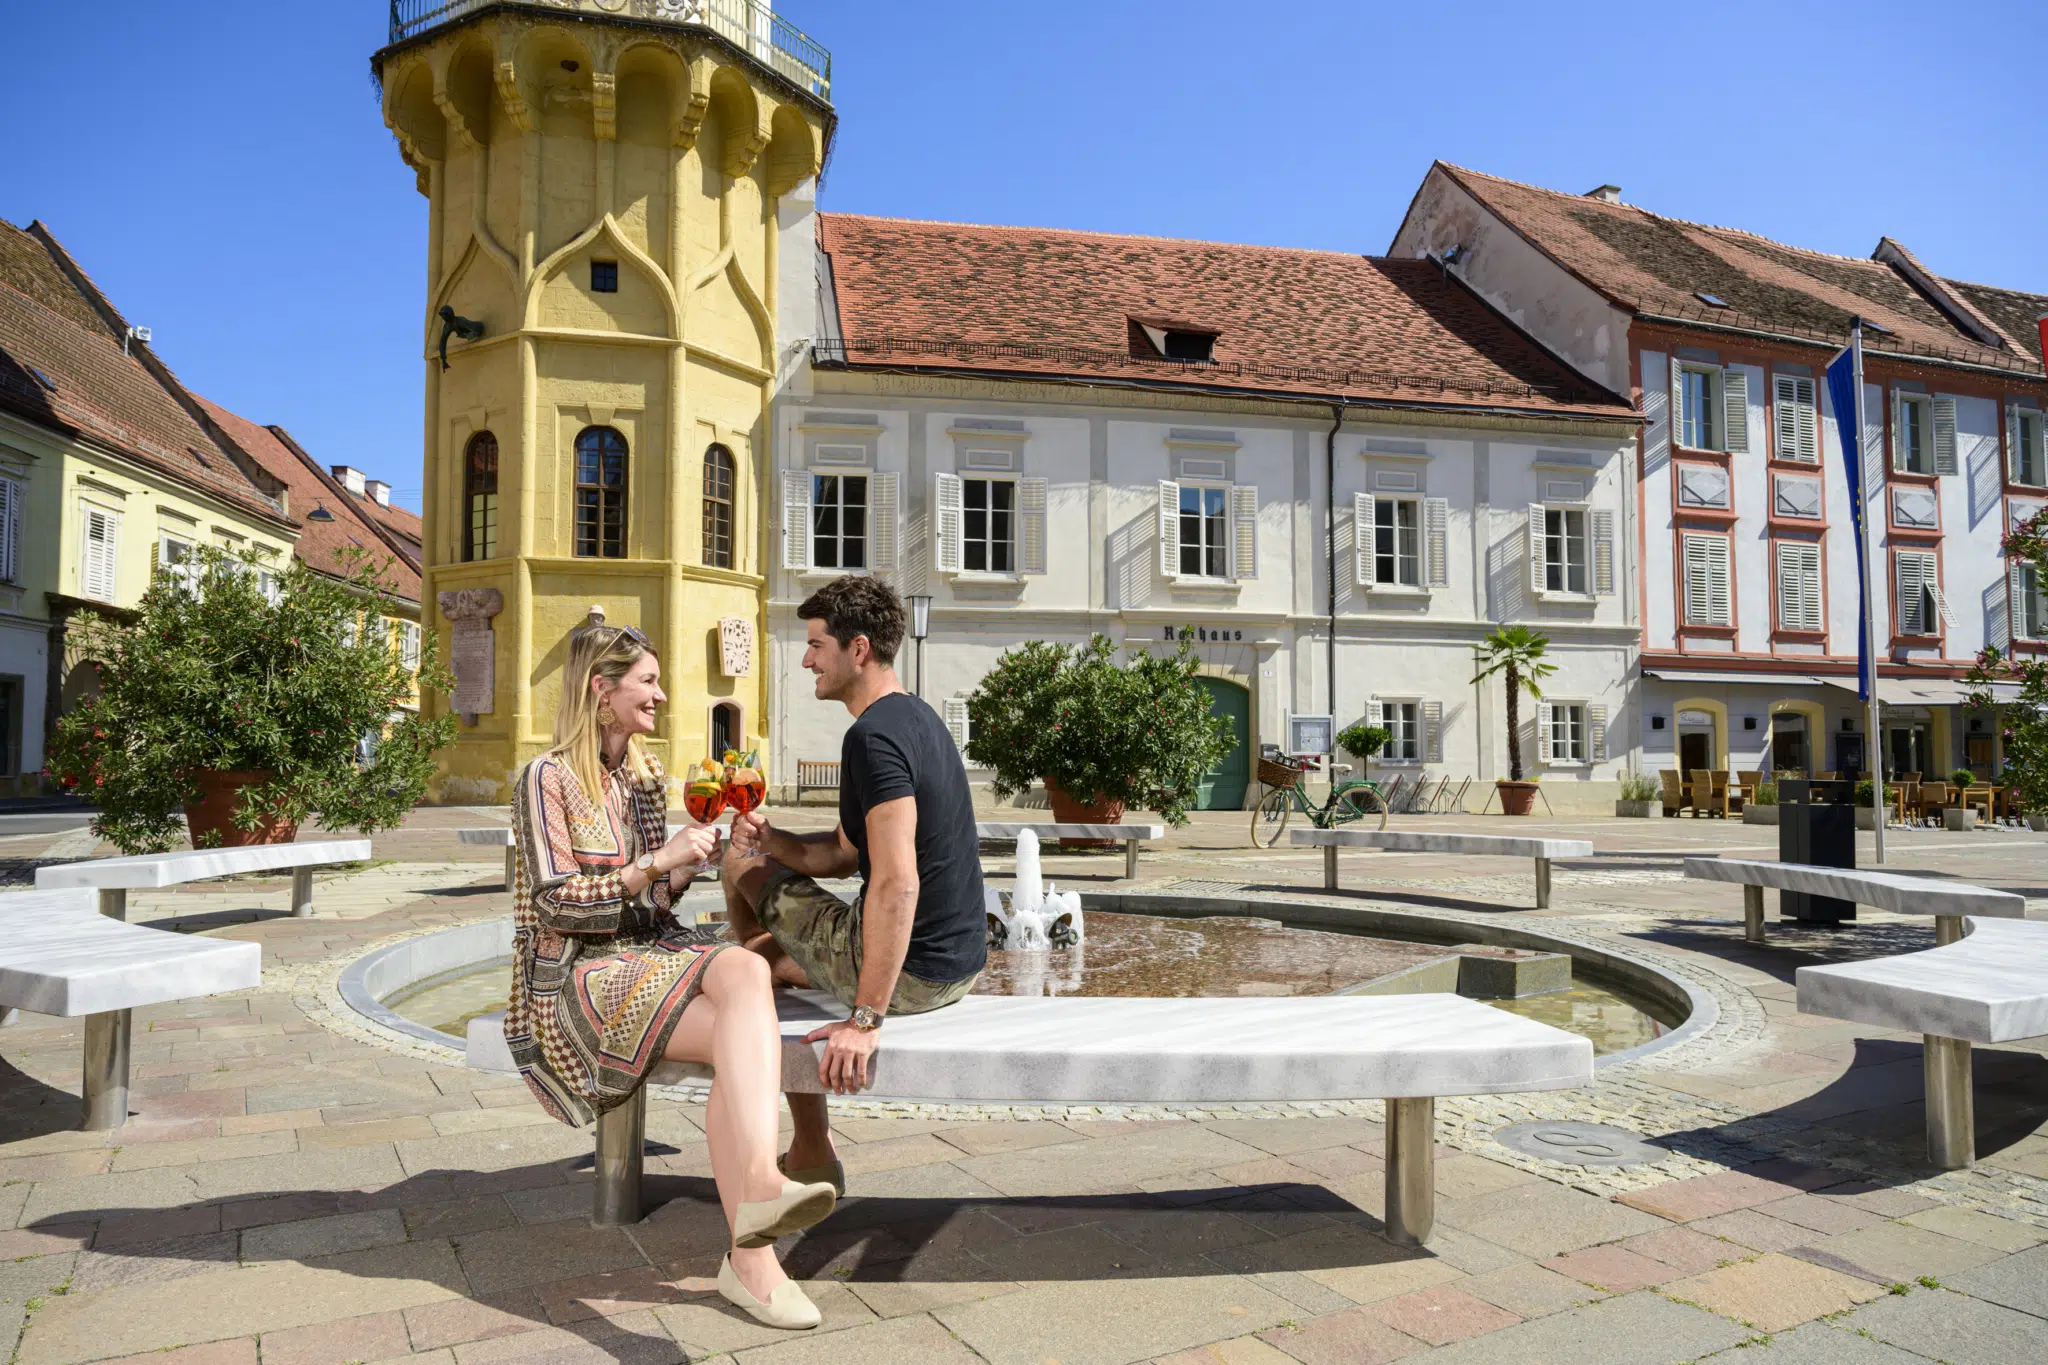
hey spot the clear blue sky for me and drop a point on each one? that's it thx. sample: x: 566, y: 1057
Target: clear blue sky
x: 221, y: 168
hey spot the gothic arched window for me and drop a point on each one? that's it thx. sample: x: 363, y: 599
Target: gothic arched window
x: 718, y: 505
x: 480, y: 497
x: 600, y: 493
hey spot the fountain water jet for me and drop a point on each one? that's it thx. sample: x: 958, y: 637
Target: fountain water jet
x: 1035, y: 915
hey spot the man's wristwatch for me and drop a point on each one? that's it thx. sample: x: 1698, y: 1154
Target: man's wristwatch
x: 864, y: 1018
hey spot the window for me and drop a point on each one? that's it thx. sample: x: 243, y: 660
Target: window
x: 839, y: 521
x: 1401, y: 720
x: 2029, y: 602
x: 1797, y: 423
x: 1699, y: 415
x: 480, y: 497
x: 604, y: 277
x: 601, y: 494
x: 408, y: 633
x: 1565, y: 723
x: 179, y: 559
x: 1177, y: 343
x: 1798, y: 586
x: 99, y: 555
x: 1397, y: 542
x: 1921, y: 607
x: 10, y: 530
x: 1564, y: 550
x: 1707, y: 599
x: 266, y: 583
x: 725, y: 728
x: 718, y: 492
x: 988, y: 536
x: 1913, y: 435
x: 2029, y: 459
x: 1204, y: 532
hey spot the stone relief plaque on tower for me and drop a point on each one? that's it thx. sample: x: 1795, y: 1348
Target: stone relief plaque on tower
x: 473, y: 650
x: 736, y: 646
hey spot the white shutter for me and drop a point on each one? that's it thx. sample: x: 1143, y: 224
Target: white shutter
x: 2016, y: 604
x: 946, y: 522
x: 1031, y: 525
x: 1944, y: 435
x: 1677, y: 404
x: 1596, y: 732
x: 1432, y: 732
x: 796, y: 521
x: 1364, y: 517
x: 1912, y: 594
x: 1898, y: 430
x: 1798, y: 586
x: 1698, y: 597
x: 1797, y: 435
x: 1719, y: 587
x: 1735, y: 403
x: 1656, y: 417
x: 2012, y: 442
x: 1536, y: 539
x: 10, y: 530
x: 883, y: 500
x: 1376, y: 715
x: 1603, y: 551
x: 1931, y: 579
x: 1169, y: 528
x: 101, y: 539
x: 1436, y: 518
x: 1544, y: 749
x: 956, y: 720
x: 1244, y: 530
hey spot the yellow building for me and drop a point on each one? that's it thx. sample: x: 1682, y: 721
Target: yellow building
x: 610, y: 185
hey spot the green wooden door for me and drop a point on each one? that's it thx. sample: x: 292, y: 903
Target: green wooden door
x: 1223, y: 785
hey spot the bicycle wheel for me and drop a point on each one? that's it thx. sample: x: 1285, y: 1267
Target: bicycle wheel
x: 1269, y: 819
x: 1361, y: 802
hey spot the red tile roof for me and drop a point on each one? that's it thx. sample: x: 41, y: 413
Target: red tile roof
x: 1042, y: 301
x: 1655, y: 265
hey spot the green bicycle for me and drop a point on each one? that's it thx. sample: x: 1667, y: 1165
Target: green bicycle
x: 1350, y: 799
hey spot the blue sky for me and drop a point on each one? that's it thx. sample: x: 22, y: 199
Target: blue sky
x: 222, y: 170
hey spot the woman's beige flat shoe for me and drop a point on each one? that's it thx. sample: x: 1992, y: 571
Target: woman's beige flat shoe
x: 787, y: 1307
x: 832, y: 1173
x: 798, y: 1206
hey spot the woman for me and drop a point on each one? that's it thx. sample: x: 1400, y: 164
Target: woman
x: 605, y: 981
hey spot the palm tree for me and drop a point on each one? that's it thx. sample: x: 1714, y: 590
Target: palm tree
x: 1517, y: 652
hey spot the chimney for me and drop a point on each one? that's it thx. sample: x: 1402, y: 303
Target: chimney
x: 379, y: 491
x: 1606, y: 194
x: 349, y: 477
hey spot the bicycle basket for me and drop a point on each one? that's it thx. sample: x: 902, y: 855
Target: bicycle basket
x: 1278, y: 774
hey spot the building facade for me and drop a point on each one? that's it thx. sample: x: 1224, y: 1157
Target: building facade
x: 611, y: 188
x: 1747, y: 559
x: 1058, y: 434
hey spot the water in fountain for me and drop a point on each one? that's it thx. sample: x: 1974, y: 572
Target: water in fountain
x: 1036, y: 916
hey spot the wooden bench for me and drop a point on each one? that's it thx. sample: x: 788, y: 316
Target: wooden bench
x: 1404, y: 1049
x: 1989, y: 985
x: 1948, y: 902
x: 1426, y: 841
x: 1130, y: 836
x: 114, y: 878
x: 59, y: 956
x: 815, y: 775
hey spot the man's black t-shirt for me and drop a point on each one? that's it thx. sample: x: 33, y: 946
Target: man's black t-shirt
x: 899, y: 747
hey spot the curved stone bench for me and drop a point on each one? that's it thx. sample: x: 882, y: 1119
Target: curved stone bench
x: 1988, y: 987
x: 1438, y: 841
x: 1405, y: 1049
x: 114, y: 878
x: 1948, y: 902
x: 60, y: 956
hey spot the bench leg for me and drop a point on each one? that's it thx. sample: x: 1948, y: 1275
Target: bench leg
x: 1543, y: 883
x: 114, y: 902
x: 1947, y: 929
x: 1130, y: 859
x: 106, y: 1070
x: 1753, y: 914
x: 1329, y: 867
x: 1411, y: 1170
x: 302, y: 893
x: 511, y: 865
x: 1951, y: 1110
x: 621, y: 1151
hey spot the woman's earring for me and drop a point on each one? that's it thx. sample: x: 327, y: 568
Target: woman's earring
x: 606, y: 716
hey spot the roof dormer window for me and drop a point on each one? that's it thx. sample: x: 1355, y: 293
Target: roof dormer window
x: 1172, y: 342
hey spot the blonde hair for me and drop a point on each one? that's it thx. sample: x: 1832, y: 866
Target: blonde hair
x: 603, y: 652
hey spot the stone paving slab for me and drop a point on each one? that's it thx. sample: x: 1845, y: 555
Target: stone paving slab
x: 1953, y: 1328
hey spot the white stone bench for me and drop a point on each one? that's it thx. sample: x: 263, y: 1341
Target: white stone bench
x: 1426, y: 841
x: 1948, y: 902
x: 1990, y: 986
x: 1405, y: 1049
x: 59, y: 956
x: 114, y: 878
x: 1130, y: 836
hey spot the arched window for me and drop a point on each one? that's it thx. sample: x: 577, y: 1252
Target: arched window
x: 718, y: 486
x: 725, y: 728
x: 480, y: 497
x: 601, y: 493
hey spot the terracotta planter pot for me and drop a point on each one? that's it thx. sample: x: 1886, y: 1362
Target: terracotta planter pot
x: 1516, y: 798
x: 1067, y: 811
x: 214, y: 811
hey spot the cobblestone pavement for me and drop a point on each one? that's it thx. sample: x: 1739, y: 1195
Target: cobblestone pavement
x: 300, y: 1187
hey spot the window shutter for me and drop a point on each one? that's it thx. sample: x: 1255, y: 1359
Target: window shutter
x: 1363, y: 519
x: 1536, y: 578
x: 1545, y: 751
x: 1944, y: 435
x: 1031, y: 525
x: 1656, y: 423
x: 1720, y: 591
x: 1930, y: 578
x: 1789, y: 613
x: 1436, y: 518
x: 1677, y: 404
x: 946, y: 523
x: 1596, y: 732
x: 956, y: 720
x: 1244, y: 529
x: 1169, y: 528
x: 97, y: 576
x: 1912, y: 595
x: 1432, y: 732
x: 1376, y: 714
x: 1698, y: 600
x: 883, y: 500
x: 796, y: 521
x: 2016, y: 604
x: 1735, y: 402
x: 1898, y: 430
x: 1793, y: 410
x: 1603, y: 551
x: 10, y: 530
x: 2013, y: 460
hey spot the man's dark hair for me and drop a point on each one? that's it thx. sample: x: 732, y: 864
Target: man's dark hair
x: 855, y: 604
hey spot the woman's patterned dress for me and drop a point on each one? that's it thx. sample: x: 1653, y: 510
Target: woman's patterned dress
x: 594, y: 996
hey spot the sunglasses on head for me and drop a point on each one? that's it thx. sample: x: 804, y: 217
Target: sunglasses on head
x: 633, y: 634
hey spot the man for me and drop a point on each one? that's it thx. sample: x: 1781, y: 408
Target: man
x: 915, y: 938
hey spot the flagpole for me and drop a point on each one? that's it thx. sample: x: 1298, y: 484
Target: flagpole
x: 1863, y: 525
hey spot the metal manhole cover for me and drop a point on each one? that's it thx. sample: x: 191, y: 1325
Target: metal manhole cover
x: 1579, y: 1144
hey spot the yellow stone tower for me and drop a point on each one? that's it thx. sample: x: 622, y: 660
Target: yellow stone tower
x: 620, y: 191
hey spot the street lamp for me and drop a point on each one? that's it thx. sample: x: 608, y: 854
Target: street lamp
x: 920, y: 626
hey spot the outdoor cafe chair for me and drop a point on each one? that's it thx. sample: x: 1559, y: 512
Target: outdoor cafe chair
x: 1674, y: 793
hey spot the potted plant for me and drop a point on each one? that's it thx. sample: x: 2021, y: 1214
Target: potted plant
x: 1516, y: 653
x: 1641, y: 798
x: 1762, y: 808
x: 1865, y: 818
x: 245, y: 712
x: 1362, y: 741
x: 1102, y: 736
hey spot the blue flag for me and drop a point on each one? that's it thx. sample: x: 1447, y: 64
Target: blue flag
x: 1845, y: 392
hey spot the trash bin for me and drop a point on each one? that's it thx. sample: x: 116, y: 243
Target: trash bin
x: 1816, y: 826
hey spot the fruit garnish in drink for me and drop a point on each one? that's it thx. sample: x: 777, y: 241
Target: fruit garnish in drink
x: 704, y: 801
x: 745, y: 788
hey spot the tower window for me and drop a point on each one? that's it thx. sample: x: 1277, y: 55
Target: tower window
x: 718, y: 484
x: 600, y: 494
x: 480, y: 497
x: 604, y: 277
